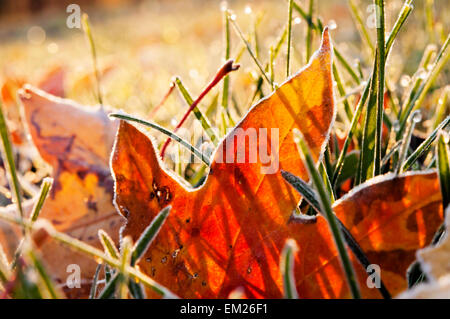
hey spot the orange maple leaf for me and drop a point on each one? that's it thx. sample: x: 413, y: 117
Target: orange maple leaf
x: 230, y: 232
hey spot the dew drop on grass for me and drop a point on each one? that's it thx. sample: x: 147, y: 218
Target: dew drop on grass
x: 233, y: 17
x: 297, y: 20
x: 446, y: 136
x: 332, y: 25
x: 422, y: 74
x: 416, y: 116
x: 224, y: 6
x: 396, y: 126
x: 405, y: 80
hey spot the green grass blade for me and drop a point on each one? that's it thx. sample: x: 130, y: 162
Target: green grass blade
x: 108, y: 244
x: 342, y: 92
x: 303, y: 14
x: 438, y: 66
x: 48, y: 282
x: 413, y: 119
x: 90, y: 38
x: 8, y: 159
x: 304, y: 189
x: 45, y: 189
x: 149, y: 234
x: 126, y: 251
x: 360, y: 24
x: 369, y: 138
x: 425, y: 145
x: 108, y: 273
x: 326, y: 182
x: 226, y: 80
x: 421, y: 93
x: 346, y: 65
x: 442, y: 108
x: 351, y: 132
x: 403, y: 15
x: 349, y: 167
x: 399, y: 23
x: 309, y: 32
x: 289, y: 39
x: 325, y: 205
x: 419, y: 79
x: 249, y: 49
x: 110, y: 288
x: 394, y: 148
x: 381, y: 78
x: 136, y: 290
x: 170, y: 134
x: 429, y: 14
x: 287, y: 269
x: 94, y: 285
x: 443, y: 164
x: 311, y: 197
x: 197, y: 112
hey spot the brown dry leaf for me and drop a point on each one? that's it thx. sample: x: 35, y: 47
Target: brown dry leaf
x: 77, y: 143
x: 51, y: 82
x: 391, y: 217
x: 435, y: 261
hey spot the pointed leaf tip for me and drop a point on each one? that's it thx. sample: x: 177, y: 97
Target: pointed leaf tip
x: 326, y: 41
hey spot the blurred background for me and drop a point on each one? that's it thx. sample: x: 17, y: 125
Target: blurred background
x: 142, y: 44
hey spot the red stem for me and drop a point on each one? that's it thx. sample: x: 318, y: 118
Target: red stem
x: 166, y: 96
x: 223, y: 71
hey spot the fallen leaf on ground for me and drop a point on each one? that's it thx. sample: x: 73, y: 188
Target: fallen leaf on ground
x: 391, y: 217
x: 76, y: 142
x: 229, y: 233
x: 435, y: 262
x: 51, y: 82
